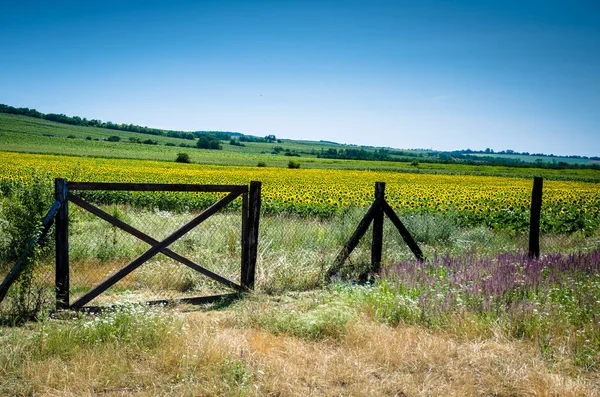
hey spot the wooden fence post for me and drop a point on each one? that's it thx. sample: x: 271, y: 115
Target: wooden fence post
x: 245, y: 247
x: 377, y: 243
x: 62, y: 244
x: 252, y: 237
x: 534, y: 222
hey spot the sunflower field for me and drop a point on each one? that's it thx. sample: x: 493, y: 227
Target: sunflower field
x: 497, y: 202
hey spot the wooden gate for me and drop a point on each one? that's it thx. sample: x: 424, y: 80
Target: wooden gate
x: 251, y: 201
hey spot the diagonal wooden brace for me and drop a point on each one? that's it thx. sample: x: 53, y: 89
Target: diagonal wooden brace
x: 353, y: 242
x: 38, y: 238
x: 147, y: 239
x: 155, y: 249
x: 412, y: 244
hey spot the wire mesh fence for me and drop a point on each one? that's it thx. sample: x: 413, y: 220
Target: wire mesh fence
x: 98, y: 250
x: 294, y: 252
x: 33, y: 289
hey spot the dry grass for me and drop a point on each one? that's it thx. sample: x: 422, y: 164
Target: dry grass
x: 212, y: 357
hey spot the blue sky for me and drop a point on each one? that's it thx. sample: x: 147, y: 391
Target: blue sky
x: 520, y: 75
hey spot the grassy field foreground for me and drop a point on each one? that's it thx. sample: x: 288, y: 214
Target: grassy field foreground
x: 471, y: 321
x: 149, y: 352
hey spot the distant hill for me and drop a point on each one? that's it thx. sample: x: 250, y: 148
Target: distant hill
x: 79, y: 121
x: 321, y: 149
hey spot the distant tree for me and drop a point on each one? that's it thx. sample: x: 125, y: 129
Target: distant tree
x: 113, y: 138
x: 293, y: 164
x: 208, y: 142
x: 183, y: 158
x: 271, y: 138
x: 261, y: 164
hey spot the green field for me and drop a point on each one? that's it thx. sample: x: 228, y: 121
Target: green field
x: 31, y: 135
x: 521, y: 326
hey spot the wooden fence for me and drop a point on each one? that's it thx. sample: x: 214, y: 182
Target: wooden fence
x: 251, y: 201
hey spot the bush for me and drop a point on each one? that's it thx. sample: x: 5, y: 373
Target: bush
x: 207, y: 141
x: 183, y: 158
x: 22, y: 211
x: 293, y: 164
x: 261, y: 164
x: 235, y: 142
x: 113, y: 138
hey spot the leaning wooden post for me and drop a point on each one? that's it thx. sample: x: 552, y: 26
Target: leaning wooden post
x: 62, y: 244
x: 253, y: 223
x: 534, y: 222
x: 377, y: 243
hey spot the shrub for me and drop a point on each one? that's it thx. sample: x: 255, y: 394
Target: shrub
x: 22, y: 211
x: 235, y: 142
x: 71, y: 136
x: 113, y: 138
x: 183, y: 158
x: 261, y: 164
x: 207, y: 141
x: 293, y: 164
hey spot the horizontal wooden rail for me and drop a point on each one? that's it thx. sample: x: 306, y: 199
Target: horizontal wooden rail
x: 156, y: 187
x: 224, y: 299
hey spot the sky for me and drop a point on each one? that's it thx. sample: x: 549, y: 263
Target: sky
x: 445, y: 75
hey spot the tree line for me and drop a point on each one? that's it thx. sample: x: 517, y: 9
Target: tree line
x: 79, y: 121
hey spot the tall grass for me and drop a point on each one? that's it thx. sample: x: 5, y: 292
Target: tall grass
x: 551, y: 301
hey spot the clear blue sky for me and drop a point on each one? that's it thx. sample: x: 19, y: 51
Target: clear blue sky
x: 521, y: 75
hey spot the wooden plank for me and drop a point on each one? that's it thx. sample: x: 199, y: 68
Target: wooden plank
x: 254, y: 205
x: 147, y: 239
x: 154, y: 250
x: 354, y: 239
x: 38, y: 238
x: 377, y: 242
x: 412, y: 244
x: 200, y: 300
x: 534, y: 220
x: 150, y: 187
x: 62, y: 245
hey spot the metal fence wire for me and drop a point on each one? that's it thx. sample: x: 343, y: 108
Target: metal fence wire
x: 294, y: 252
x: 98, y: 250
x: 34, y: 287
